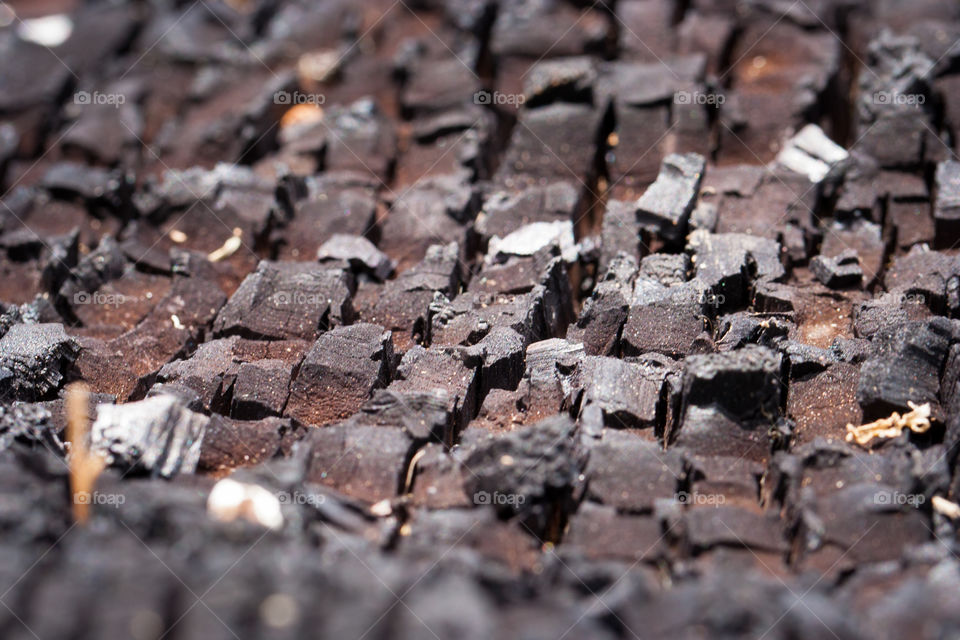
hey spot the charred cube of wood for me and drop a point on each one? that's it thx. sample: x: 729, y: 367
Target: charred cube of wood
x: 604, y: 313
x: 364, y: 462
x: 744, y: 383
x: 34, y: 359
x: 261, y: 389
x: 628, y: 393
x: 287, y: 300
x: 444, y: 369
x: 838, y: 272
x: 532, y: 472
x: 158, y: 435
x: 338, y: 374
x: 358, y: 253
x: 631, y: 474
x: 505, y: 211
x: 680, y: 309
x: 667, y: 204
x: 906, y: 368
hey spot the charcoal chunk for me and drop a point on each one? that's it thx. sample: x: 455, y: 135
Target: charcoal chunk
x: 667, y: 204
x: 532, y: 471
x: 34, y: 359
x: 228, y: 444
x: 946, y: 209
x: 364, y: 462
x: 29, y: 422
x: 743, y: 383
x: 339, y: 373
x: 358, y: 252
x: 403, y: 305
x: 422, y: 415
x: 261, y: 389
x: 157, y: 435
x: 906, y: 368
x: 566, y: 79
x: 446, y: 370
x: 726, y: 263
x: 631, y: 474
x: 654, y: 307
x: 287, y: 300
x: 504, y: 211
x: 838, y: 272
x: 604, y: 313
x: 628, y: 394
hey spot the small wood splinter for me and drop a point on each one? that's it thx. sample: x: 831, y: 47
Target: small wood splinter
x: 917, y: 420
x: 85, y: 467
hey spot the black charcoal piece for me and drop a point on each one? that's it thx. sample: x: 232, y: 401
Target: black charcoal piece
x: 925, y: 277
x: 946, y: 208
x: 838, y: 272
x: 667, y: 269
x: 339, y: 373
x: 532, y: 471
x: 728, y: 262
x: 261, y: 389
x: 620, y: 233
x: 29, y: 423
x: 736, y: 330
x: 627, y: 393
x: 287, y: 300
x: 561, y: 80
x: 358, y: 252
x: 34, y: 359
x: 404, y: 302
x: 553, y: 142
x: 667, y: 204
x: 364, y: 462
x: 422, y: 415
x: 187, y: 397
x: 631, y: 474
x: 237, y: 443
x: 603, y: 314
x: 158, y: 435
x: 434, y: 211
x: 506, y: 210
x: 744, y: 383
x: 534, y: 238
x: 655, y: 307
x: 501, y: 357
x: 447, y: 370
x: 906, y: 367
